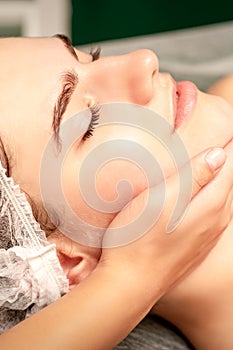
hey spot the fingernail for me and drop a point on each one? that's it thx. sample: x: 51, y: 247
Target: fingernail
x: 216, y: 158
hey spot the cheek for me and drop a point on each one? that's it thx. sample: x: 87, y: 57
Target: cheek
x: 111, y: 185
x: 98, y: 196
x: 120, y: 180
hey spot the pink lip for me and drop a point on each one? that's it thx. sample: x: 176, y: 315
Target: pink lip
x: 187, y: 98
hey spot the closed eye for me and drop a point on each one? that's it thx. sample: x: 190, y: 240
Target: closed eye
x: 95, y: 114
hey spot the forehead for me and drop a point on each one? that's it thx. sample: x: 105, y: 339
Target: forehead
x: 23, y: 46
x: 28, y: 80
x: 30, y: 67
x: 29, y: 53
x: 35, y: 59
x: 34, y: 49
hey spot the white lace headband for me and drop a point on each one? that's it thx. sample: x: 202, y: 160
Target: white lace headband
x: 30, y: 273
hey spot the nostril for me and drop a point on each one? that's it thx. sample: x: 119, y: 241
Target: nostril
x: 150, y: 60
x: 155, y: 71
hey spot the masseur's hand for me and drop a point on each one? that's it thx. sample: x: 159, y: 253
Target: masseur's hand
x: 156, y: 260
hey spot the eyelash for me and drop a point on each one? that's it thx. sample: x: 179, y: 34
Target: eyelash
x: 95, y: 53
x: 95, y: 110
x: 95, y: 114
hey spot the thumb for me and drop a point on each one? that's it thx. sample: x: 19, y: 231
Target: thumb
x: 205, y: 166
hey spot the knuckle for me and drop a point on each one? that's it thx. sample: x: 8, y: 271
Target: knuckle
x: 217, y: 203
x: 197, y: 183
x: 222, y: 221
x: 217, y: 207
x: 201, y: 176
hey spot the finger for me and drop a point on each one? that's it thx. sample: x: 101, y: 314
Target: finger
x: 229, y: 161
x: 222, y: 183
x: 212, y: 207
x: 205, y: 166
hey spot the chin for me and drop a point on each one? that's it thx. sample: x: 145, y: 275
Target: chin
x: 223, y: 112
x: 210, y: 125
x: 223, y: 105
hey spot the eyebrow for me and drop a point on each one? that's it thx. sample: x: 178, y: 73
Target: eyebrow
x: 69, y: 84
x: 67, y: 43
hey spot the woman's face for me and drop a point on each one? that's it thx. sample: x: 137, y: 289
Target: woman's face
x: 32, y: 79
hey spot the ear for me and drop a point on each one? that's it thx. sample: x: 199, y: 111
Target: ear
x: 76, y: 260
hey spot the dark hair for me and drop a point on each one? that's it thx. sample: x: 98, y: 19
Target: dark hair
x: 41, y: 216
x: 3, y: 157
x: 38, y: 210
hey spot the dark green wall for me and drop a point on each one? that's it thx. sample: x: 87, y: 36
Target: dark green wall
x: 112, y: 19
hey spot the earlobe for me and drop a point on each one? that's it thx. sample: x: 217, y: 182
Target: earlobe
x: 80, y: 271
x: 77, y: 261
x: 76, y: 267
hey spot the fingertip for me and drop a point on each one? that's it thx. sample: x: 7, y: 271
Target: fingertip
x: 216, y: 158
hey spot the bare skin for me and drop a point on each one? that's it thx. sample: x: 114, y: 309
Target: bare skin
x: 201, y: 305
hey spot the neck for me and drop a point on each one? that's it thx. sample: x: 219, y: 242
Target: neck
x: 201, y: 304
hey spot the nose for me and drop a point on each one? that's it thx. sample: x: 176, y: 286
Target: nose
x: 127, y: 78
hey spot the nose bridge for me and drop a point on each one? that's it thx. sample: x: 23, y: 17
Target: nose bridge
x: 142, y: 67
x: 139, y: 60
x: 127, y: 77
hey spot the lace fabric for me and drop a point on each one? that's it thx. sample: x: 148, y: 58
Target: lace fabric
x: 30, y: 273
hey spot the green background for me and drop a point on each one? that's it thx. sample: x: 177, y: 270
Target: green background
x: 100, y: 20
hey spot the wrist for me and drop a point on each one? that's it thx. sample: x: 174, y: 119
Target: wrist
x: 135, y: 283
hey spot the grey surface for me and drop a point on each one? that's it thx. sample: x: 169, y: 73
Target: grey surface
x: 155, y: 334
x: 201, y: 55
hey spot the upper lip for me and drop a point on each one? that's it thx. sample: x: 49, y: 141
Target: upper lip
x: 187, y: 98
x: 175, y: 101
x: 174, y: 95
x: 178, y: 98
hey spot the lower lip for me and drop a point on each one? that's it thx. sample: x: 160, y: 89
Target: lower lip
x: 187, y: 98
